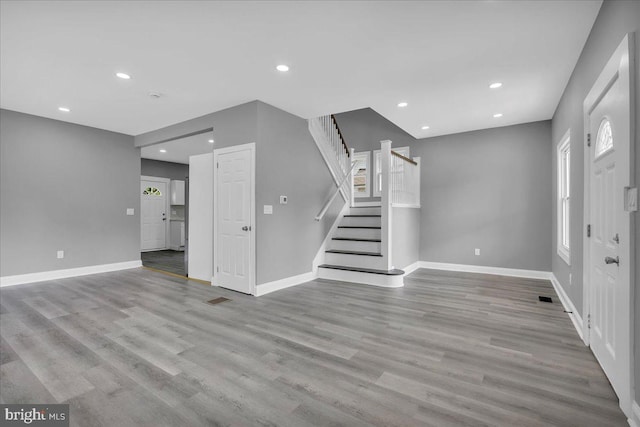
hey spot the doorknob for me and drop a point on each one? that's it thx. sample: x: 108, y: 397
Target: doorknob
x: 245, y: 228
x: 610, y: 260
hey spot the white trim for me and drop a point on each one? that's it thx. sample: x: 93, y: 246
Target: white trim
x: 252, y: 147
x: 367, y: 204
x: 42, y: 276
x: 404, y: 205
x: 635, y: 414
x: 358, y: 277
x: 411, y: 268
x: 610, y: 72
x: 512, y: 272
x: 167, y: 196
x: 564, y: 145
x: 575, y: 317
x: 367, y: 194
x: 320, y: 255
x: 276, y: 285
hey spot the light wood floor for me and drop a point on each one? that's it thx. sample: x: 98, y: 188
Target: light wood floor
x: 138, y: 348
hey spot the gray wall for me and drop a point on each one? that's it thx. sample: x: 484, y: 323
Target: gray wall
x: 287, y: 163
x: 487, y: 189
x: 158, y: 168
x: 65, y: 187
x: 616, y: 18
x: 406, y: 236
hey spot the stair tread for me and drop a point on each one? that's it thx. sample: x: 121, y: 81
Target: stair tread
x: 359, y: 226
x: 363, y: 216
x: 340, y: 251
x: 394, y: 272
x: 351, y: 239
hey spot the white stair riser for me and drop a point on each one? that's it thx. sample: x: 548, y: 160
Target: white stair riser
x: 364, y: 278
x: 361, y: 221
x: 365, y: 211
x: 350, y: 245
x: 358, y: 233
x: 361, y: 261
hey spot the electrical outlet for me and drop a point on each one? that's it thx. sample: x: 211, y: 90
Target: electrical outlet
x: 268, y: 209
x: 477, y: 252
x: 60, y: 254
x: 130, y: 211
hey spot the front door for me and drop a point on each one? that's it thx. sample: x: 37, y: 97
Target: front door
x: 153, y: 215
x: 608, y: 124
x: 234, y: 204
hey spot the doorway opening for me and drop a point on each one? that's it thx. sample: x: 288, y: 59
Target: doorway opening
x: 164, y: 204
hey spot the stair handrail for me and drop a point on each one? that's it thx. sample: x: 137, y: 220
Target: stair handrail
x: 325, y: 207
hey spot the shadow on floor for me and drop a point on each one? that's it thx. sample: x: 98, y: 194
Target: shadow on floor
x: 171, y: 261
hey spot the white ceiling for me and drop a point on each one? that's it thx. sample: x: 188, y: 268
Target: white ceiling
x: 203, y: 56
x: 179, y: 150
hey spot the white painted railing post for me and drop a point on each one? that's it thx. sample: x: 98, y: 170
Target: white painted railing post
x: 352, y: 202
x: 385, y: 159
x: 416, y: 182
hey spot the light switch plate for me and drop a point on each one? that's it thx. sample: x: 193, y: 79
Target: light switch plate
x: 268, y: 209
x: 631, y: 199
x: 283, y: 200
x: 130, y: 211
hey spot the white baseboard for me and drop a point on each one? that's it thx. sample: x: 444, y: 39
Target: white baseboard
x: 178, y: 248
x: 411, y: 268
x: 635, y: 420
x: 568, y: 306
x: 42, y: 276
x: 267, y: 288
x: 513, y: 272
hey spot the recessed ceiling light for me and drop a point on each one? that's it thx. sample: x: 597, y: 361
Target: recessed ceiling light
x: 495, y: 85
x: 162, y: 150
x: 496, y: 115
x: 402, y: 104
x: 425, y: 127
x: 64, y: 109
x: 283, y: 68
x: 123, y: 76
x: 211, y: 141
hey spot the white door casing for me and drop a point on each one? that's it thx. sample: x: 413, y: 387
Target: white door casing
x: 234, y: 222
x: 608, y: 257
x: 154, y: 220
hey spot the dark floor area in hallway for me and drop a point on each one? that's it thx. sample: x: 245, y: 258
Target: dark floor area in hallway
x: 168, y: 260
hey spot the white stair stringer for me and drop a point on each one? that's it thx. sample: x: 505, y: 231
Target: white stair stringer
x: 329, y: 155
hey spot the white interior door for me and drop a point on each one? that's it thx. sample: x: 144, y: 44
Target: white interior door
x: 233, y: 213
x: 153, y: 215
x: 609, y: 260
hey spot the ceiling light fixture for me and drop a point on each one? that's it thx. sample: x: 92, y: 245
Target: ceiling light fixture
x: 211, y: 141
x: 163, y: 150
x: 123, y: 76
x: 402, y: 104
x: 283, y: 68
x: 425, y: 127
x: 497, y: 115
x: 495, y: 85
x: 64, y: 109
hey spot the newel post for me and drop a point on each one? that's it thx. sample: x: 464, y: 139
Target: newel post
x: 385, y: 159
